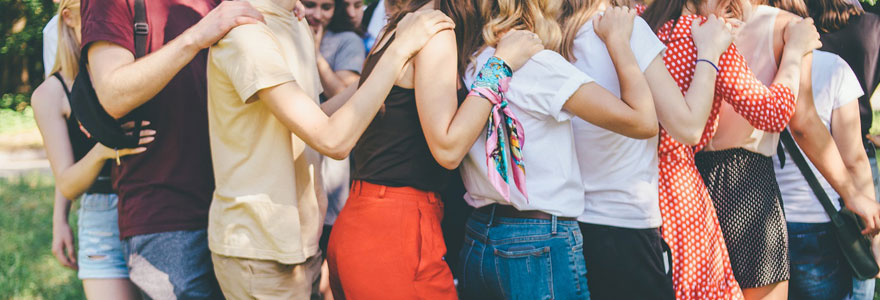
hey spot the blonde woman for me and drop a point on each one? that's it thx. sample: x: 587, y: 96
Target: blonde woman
x: 80, y: 169
x: 523, y: 239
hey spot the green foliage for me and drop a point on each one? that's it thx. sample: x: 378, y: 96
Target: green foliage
x: 21, y: 49
x: 28, y: 270
x: 12, y: 121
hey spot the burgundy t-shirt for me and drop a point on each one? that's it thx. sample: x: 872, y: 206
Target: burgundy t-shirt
x: 168, y: 187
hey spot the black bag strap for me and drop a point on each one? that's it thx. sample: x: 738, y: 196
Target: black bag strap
x: 799, y: 160
x: 141, y: 29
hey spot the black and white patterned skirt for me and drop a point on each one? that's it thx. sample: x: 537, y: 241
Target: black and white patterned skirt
x: 743, y: 188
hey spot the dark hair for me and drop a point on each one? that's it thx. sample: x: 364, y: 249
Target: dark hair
x: 661, y: 11
x: 832, y: 15
x: 796, y: 7
x: 466, y: 16
x: 341, y: 22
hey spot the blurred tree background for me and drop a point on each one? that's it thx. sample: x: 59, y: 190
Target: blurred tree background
x: 21, y: 50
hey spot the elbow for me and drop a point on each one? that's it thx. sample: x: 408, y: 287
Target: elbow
x: 110, y: 107
x: 447, y: 159
x: 645, y: 131
x: 67, y: 192
x: 335, y: 149
x: 691, y: 138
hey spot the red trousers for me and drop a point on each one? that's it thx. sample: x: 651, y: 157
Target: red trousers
x: 387, y: 244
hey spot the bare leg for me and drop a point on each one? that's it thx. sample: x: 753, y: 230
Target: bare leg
x: 325, y: 282
x: 775, y: 291
x: 110, y: 289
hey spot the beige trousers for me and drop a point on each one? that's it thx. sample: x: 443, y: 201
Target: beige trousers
x: 242, y: 278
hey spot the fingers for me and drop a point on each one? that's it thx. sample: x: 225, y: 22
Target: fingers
x: 71, y: 253
x: 132, y: 151
x: 60, y: 255
x: 130, y: 125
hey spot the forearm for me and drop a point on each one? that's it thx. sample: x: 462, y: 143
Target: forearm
x: 466, y: 126
x: 789, y: 71
x: 634, y: 89
x: 817, y: 144
x: 60, y: 209
x: 859, y: 169
x: 351, y: 119
x: 699, y: 98
x: 331, y: 82
x: 122, y: 88
x: 75, y: 180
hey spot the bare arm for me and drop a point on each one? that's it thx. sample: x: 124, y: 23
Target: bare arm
x: 635, y: 115
x: 683, y: 117
x: 337, y: 134
x: 123, y: 83
x: 818, y: 145
x: 334, y: 82
x: 846, y: 129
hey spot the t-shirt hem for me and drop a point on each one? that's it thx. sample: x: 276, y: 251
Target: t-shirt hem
x: 623, y: 223
x: 149, y: 229
x: 288, y: 258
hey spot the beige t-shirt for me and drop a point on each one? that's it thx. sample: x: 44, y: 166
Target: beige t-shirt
x: 268, y: 202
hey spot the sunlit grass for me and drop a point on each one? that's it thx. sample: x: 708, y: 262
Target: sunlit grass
x: 28, y: 270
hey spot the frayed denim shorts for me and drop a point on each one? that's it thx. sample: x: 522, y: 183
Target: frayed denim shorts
x: 100, y: 251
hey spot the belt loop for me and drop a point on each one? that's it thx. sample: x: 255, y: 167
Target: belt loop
x: 492, y: 215
x: 382, y: 191
x: 552, y: 224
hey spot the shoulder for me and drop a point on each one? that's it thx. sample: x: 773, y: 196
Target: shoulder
x: 346, y: 37
x: 48, y: 96
x: 248, y: 36
x: 442, y: 43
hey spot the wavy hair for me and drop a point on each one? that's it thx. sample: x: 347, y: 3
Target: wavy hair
x: 67, y: 55
x: 538, y: 16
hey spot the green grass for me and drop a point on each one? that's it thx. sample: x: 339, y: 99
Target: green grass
x: 12, y: 121
x: 28, y: 270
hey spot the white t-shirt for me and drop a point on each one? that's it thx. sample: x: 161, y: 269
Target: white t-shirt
x: 537, y: 92
x: 619, y: 173
x: 50, y: 44
x: 834, y: 85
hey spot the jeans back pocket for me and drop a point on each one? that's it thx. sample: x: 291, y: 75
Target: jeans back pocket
x: 524, y: 272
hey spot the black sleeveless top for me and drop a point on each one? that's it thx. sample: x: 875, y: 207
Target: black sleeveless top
x: 81, y: 145
x: 393, y: 150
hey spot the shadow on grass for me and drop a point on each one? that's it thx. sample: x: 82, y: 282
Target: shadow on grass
x: 28, y: 270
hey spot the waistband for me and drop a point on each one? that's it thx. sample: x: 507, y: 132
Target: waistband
x: 102, y: 185
x: 507, y: 211
x: 363, y: 188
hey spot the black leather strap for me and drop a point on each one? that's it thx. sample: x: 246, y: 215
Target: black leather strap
x: 799, y: 160
x: 141, y: 29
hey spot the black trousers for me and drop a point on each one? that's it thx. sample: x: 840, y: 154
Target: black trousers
x: 624, y: 263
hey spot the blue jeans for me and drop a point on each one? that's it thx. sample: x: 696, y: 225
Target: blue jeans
x: 511, y: 258
x: 100, y: 252
x: 864, y: 289
x: 172, y: 265
x: 818, y: 269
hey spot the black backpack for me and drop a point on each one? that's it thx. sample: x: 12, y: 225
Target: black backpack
x: 84, y: 101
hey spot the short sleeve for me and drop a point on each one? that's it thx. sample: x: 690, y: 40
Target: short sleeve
x: 849, y: 88
x: 545, y: 83
x: 107, y: 20
x: 645, y: 43
x: 350, y: 53
x: 251, y: 58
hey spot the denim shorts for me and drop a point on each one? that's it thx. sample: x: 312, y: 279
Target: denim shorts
x: 100, y: 250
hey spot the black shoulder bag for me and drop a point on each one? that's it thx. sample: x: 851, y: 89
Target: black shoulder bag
x: 847, y: 225
x: 84, y: 101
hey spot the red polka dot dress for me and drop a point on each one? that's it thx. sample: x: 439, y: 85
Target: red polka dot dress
x: 701, y: 265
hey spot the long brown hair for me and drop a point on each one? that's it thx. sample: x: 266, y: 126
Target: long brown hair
x: 576, y: 13
x: 661, y: 11
x: 832, y: 15
x: 797, y: 7
x: 67, y: 55
x: 463, y: 13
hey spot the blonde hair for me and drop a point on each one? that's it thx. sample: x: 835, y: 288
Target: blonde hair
x: 67, y: 55
x: 576, y: 13
x: 538, y: 16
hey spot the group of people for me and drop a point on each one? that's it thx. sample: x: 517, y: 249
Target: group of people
x: 463, y: 149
